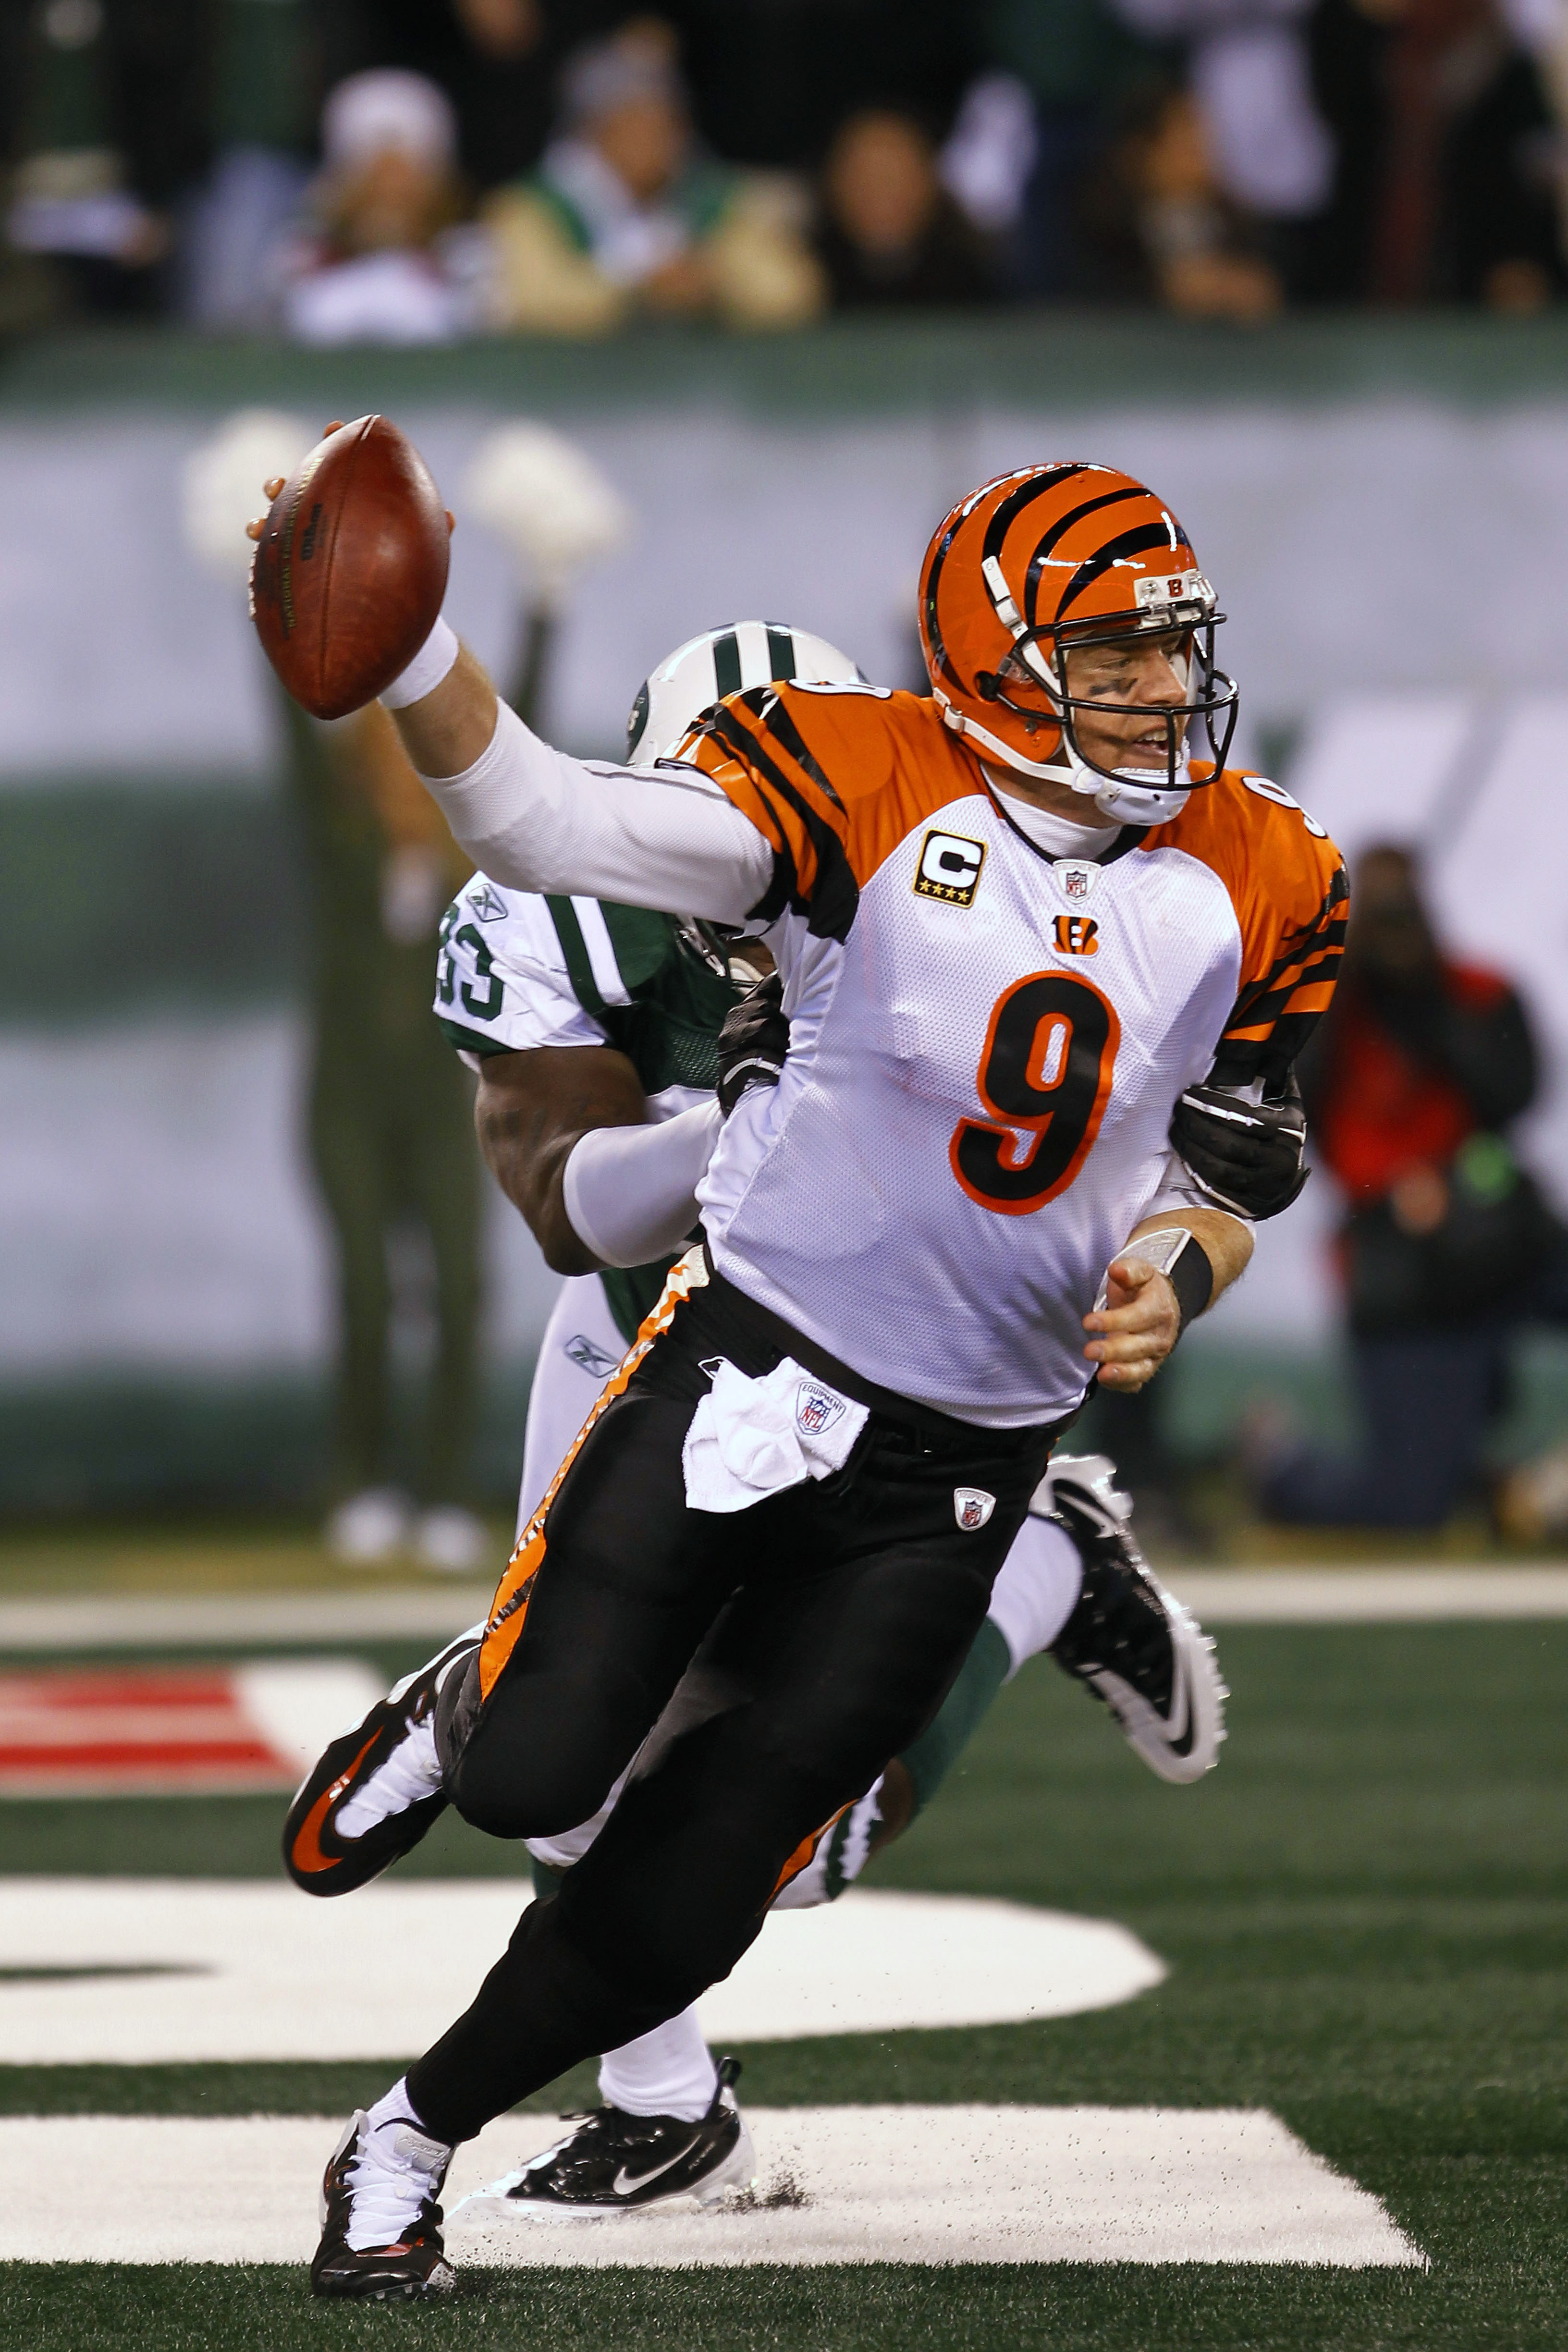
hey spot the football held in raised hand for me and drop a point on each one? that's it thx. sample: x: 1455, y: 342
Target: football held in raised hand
x: 350, y: 567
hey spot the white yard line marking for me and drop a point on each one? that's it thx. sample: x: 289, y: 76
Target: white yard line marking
x: 1370, y: 1596
x: 271, y: 1974
x: 909, y: 2184
x: 174, y: 1620
x: 1222, y: 1596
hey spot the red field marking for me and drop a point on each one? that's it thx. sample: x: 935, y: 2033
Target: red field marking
x: 133, y: 1730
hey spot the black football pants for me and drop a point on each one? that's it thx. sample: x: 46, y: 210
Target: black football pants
x: 846, y: 1607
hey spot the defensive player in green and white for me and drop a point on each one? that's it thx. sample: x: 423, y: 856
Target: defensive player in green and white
x: 610, y: 1045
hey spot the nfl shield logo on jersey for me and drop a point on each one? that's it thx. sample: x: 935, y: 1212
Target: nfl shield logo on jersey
x: 816, y: 1409
x: 1076, y: 878
x: 972, y: 1506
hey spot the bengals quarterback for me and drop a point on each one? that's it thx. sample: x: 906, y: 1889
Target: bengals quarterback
x: 610, y: 1042
x: 1025, y: 938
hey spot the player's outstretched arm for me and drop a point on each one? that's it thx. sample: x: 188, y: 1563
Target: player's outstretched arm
x: 451, y: 727
x: 535, y: 819
x: 1146, y: 1308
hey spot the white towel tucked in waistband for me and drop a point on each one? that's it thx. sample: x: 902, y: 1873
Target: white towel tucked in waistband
x: 750, y: 1438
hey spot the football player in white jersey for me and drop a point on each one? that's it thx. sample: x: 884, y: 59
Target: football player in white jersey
x: 1024, y: 939
x: 602, y: 1152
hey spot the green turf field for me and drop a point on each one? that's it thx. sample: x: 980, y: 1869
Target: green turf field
x: 1366, y: 1913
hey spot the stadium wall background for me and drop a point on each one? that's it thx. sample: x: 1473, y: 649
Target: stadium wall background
x: 1384, y: 507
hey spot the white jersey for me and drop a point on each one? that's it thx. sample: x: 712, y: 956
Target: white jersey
x: 517, y: 971
x: 986, y: 1044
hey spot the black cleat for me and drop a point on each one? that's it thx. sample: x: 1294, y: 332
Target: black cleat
x: 619, y: 2163
x: 383, y: 1775
x: 1128, y: 1639
x: 380, y: 2189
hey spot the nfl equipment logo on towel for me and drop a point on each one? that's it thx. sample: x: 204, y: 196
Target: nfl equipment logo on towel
x: 972, y: 1506
x: 816, y: 1409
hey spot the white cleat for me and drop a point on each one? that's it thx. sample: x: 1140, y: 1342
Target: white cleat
x: 1128, y: 1639
x: 452, y: 1542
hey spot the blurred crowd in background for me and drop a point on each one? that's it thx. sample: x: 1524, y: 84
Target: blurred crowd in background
x: 418, y: 170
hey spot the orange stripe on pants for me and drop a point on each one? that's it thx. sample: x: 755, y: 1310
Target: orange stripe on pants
x: 805, y: 1851
x: 510, y: 1608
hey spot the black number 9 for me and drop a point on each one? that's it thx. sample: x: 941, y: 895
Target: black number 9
x: 1046, y: 1068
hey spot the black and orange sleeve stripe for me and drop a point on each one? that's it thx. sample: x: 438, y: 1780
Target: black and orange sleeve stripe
x: 1287, y: 884
x: 1277, y: 1011
x: 753, y: 748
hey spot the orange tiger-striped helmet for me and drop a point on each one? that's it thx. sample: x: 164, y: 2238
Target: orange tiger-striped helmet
x: 1052, y: 558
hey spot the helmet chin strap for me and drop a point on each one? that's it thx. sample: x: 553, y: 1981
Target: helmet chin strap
x: 1126, y: 798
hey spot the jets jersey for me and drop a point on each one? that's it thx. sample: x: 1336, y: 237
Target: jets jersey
x: 986, y: 1044
x: 516, y: 971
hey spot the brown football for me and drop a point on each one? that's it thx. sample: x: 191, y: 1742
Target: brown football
x: 351, y: 569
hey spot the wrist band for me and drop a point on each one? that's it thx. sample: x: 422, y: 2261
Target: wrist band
x: 1191, y: 1277
x: 1181, y: 1258
x: 426, y: 671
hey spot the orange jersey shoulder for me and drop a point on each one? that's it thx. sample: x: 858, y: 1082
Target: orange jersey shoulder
x: 1286, y: 883
x: 835, y: 777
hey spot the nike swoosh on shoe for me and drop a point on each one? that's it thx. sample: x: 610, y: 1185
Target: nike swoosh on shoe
x: 626, y: 2184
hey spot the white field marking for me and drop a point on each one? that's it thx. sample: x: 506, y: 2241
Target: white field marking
x: 277, y: 1975
x: 1370, y: 1596
x: 912, y: 2184
x: 1230, y: 1596
x: 302, y: 1704
x: 174, y: 1620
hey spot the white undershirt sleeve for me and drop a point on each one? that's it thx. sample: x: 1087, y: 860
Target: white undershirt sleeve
x: 630, y: 1192
x: 535, y: 819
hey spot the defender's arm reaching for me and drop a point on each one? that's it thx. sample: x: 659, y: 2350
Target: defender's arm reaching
x: 565, y: 1132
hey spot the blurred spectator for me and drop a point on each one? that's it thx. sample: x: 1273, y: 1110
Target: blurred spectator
x: 1248, y: 68
x: 384, y: 265
x: 72, y: 197
x: 889, y: 233
x: 1419, y: 1067
x: 624, y: 215
x: 1079, y: 66
x: 390, y: 1116
x: 773, y: 79
x: 1447, y: 181
x: 1194, y: 249
x: 391, y: 1127
x: 265, y: 101
x: 496, y: 59
x: 990, y: 154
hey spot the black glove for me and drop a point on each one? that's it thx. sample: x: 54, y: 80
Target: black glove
x: 1244, y: 1156
x: 753, y: 1043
